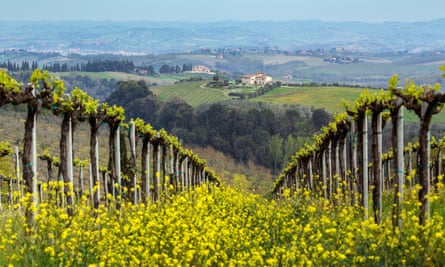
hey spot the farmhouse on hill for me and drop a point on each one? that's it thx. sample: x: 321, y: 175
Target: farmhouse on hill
x: 201, y: 69
x: 258, y: 79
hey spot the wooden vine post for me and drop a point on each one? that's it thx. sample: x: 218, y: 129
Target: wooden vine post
x: 330, y: 170
x: 359, y: 114
x: 132, y: 136
x: 165, y: 144
x: 96, y: 115
x: 146, y: 132
x: 342, y: 128
x: 331, y: 139
x: 396, y: 112
x: 308, y: 167
x: 187, y: 174
x: 175, y: 171
x: 440, y: 146
x: 17, y: 172
x: 320, y: 142
x: 323, y: 171
x: 181, y: 159
x: 155, y: 143
x: 81, y: 164
x: 114, y: 115
x: 353, y: 152
x: 377, y: 104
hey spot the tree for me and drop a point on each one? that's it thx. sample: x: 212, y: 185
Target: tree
x: 290, y: 147
x: 288, y: 122
x: 320, y: 118
x: 165, y: 69
x: 276, y: 150
x: 127, y: 92
x: 176, y: 113
x: 136, y: 98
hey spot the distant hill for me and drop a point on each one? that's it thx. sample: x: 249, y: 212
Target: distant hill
x: 178, y: 37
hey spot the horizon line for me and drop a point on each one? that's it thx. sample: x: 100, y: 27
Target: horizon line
x: 212, y: 21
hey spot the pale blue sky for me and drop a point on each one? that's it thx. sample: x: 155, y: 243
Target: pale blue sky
x: 211, y: 10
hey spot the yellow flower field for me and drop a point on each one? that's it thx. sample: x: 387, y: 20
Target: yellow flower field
x: 220, y: 227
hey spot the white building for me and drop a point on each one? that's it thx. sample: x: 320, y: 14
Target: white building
x: 200, y: 68
x: 258, y: 79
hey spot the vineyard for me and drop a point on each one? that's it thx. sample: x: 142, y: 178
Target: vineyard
x: 193, y: 93
x: 158, y: 204
x: 323, y: 167
x: 171, y: 164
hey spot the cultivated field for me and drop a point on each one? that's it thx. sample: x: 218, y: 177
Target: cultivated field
x: 329, y: 98
x: 193, y: 92
x: 160, y: 80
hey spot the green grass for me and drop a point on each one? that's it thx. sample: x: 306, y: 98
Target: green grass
x: 161, y: 80
x: 277, y: 60
x: 208, y: 60
x: 193, y: 93
x: 329, y: 98
x: 92, y: 75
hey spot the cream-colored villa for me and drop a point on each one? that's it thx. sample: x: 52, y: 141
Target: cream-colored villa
x: 200, y: 68
x: 257, y: 79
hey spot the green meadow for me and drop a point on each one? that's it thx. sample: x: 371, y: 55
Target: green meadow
x: 330, y: 98
x: 194, y: 93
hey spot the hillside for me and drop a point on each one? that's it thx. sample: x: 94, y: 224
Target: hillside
x: 330, y: 98
x: 309, y: 65
x: 194, y: 93
x: 148, y: 37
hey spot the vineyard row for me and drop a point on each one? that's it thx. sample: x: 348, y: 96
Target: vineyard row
x: 338, y: 161
x: 143, y: 164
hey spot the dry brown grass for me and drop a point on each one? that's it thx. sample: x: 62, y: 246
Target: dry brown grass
x: 257, y: 179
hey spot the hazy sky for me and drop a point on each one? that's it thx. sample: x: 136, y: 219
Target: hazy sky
x: 212, y: 10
